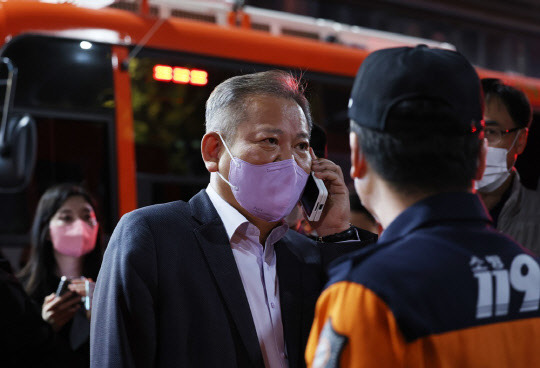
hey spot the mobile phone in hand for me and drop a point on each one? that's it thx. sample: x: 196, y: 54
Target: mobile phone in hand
x: 62, y: 286
x: 313, y: 198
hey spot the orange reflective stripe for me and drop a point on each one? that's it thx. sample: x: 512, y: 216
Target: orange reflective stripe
x: 374, y: 338
x: 499, y: 345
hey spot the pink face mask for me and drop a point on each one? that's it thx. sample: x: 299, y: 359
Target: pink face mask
x: 268, y: 191
x: 75, y: 239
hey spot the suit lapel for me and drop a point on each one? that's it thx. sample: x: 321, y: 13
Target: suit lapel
x: 216, y: 248
x: 290, y: 292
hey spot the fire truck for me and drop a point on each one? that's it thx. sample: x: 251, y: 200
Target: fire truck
x: 111, y: 94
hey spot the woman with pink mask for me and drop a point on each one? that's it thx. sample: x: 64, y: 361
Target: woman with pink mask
x: 65, y: 240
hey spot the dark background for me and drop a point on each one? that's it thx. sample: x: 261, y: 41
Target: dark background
x: 497, y: 34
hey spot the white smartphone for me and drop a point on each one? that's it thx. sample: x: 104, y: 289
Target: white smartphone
x: 63, y: 286
x: 313, y: 198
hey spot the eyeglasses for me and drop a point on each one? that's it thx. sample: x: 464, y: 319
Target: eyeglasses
x: 494, y: 135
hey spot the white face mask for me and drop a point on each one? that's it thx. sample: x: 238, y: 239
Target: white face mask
x: 497, y: 170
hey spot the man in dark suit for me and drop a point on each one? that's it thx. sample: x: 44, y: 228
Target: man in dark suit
x: 221, y: 281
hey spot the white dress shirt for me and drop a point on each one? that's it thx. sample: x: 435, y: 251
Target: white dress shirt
x: 257, y: 266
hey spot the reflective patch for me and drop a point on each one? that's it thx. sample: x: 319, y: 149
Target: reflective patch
x: 329, y: 348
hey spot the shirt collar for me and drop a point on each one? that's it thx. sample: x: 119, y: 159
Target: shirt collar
x: 233, y: 220
x: 435, y: 209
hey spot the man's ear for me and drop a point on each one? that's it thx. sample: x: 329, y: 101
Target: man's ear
x: 211, y: 147
x: 482, y: 154
x: 358, y: 160
x: 522, y: 141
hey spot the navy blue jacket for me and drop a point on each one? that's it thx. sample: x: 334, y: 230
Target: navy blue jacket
x: 441, y: 288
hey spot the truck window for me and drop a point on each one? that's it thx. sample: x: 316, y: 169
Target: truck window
x: 169, y: 119
x: 71, y: 99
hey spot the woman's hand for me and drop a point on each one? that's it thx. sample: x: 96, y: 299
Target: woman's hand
x: 78, y: 285
x: 57, y: 311
x: 82, y: 286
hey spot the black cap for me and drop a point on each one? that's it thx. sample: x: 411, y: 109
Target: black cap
x: 390, y: 76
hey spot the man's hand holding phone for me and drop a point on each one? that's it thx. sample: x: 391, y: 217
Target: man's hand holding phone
x: 336, y: 212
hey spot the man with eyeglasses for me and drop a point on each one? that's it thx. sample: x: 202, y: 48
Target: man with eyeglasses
x: 515, y: 209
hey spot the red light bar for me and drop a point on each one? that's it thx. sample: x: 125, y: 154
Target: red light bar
x: 166, y: 73
x: 199, y: 77
x: 163, y: 73
x: 181, y: 75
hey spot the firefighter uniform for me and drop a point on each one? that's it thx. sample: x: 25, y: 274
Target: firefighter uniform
x: 442, y: 288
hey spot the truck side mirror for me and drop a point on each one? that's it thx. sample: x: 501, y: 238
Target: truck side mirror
x: 18, y: 153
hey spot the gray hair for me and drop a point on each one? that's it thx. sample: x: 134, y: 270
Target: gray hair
x: 226, y: 106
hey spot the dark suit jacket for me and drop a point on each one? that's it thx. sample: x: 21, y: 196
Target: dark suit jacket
x: 169, y: 293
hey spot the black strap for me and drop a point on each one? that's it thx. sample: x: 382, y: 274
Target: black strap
x: 350, y: 234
